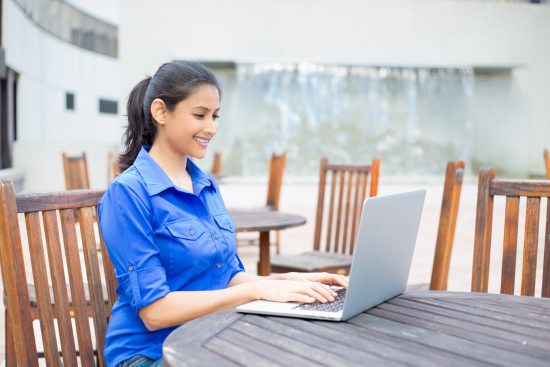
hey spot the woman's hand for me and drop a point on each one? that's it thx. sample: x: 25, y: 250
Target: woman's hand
x: 303, y: 291
x: 325, y: 278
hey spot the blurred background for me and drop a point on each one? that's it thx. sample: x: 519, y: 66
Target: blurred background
x: 415, y: 82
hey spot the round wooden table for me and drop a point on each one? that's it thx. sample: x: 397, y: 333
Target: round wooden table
x: 264, y: 221
x: 413, y: 329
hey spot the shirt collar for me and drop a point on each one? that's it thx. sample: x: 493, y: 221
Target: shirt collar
x: 157, y: 180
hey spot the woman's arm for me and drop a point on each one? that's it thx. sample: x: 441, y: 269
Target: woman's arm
x: 180, y: 307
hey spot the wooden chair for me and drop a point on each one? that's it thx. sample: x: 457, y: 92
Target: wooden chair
x: 58, y: 243
x: 547, y: 163
x: 454, y: 175
x: 76, y: 172
x: 277, y: 166
x: 216, y: 170
x: 513, y: 190
x: 347, y: 189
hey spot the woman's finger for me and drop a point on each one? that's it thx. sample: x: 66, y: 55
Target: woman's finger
x: 325, y: 291
x: 302, y: 298
x: 313, y: 293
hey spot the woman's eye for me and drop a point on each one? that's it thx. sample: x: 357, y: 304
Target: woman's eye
x: 215, y: 117
x: 199, y: 116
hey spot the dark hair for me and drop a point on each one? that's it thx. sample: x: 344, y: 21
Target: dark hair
x: 173, y: 82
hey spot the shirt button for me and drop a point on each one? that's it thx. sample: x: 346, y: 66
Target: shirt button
x: 218, y: 265
x: 130, y: 268
x: 216, y: 237
x: 191, y: 232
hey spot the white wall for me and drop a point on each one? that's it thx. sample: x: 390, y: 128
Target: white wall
x: 399, y: 32
x: 49, y: 67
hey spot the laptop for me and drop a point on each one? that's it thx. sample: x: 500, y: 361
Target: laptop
x: 380, y: 265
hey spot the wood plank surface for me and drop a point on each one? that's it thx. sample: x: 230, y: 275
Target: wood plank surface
x: 413, y: 329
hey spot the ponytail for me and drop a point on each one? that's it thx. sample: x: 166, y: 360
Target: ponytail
x: 138, y: 132
x: 173, y: 82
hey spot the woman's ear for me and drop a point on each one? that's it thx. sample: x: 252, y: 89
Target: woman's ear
x: 158, y: 111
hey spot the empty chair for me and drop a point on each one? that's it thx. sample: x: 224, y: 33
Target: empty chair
x: 337, y: 218
x: 277, y: 166
x: 534, y: 191
x: 51, y: 246
x: 76, y: 172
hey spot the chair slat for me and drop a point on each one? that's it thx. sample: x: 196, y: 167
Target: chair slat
x: 374, y: 172
x: 43, y: 300
x: 530, y: 247
x: 447, y: 224
x: 339, y: 212
x: 77, y: 287
x: 482, y: 240
x: 59, y: 285
x: 86, y: 218
x: 507, y: 281
x: 546, y: 261
x: 364, y: 188
x: 15, y: 279
x: 330, y: 222
x: 356, y: 206
x: 320, y: 205
x: 347, y: 219
x: 109, y: 271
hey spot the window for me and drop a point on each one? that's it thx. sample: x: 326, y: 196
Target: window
x: 108, y: 106
x: 69, y: 101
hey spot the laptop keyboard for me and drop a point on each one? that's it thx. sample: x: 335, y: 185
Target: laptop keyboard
x: 334, y: 306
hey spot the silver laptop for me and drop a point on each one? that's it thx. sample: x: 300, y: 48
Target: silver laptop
x: 380, y: 266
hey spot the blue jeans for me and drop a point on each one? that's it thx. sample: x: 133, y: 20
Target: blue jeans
x: 140, y: 361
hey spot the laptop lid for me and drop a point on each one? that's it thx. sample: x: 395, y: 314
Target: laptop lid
x: 384, y: 250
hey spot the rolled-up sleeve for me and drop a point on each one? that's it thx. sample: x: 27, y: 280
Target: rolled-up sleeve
x: 126, y: 226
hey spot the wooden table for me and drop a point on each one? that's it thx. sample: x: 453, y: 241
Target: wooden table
x: 413, y: 329
x: 264, y: 221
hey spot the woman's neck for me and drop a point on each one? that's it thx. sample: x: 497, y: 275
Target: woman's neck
x: 173, y: 164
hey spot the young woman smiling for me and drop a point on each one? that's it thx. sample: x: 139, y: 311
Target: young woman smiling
x: 166, y: 227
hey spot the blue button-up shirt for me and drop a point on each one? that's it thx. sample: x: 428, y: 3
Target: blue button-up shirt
x: 161, y: 238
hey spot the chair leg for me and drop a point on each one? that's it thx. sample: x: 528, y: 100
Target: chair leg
x: 278, y: 242
x: 9, y: 348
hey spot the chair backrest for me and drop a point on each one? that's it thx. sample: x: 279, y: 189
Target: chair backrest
x: 50, y: 251
x: 547, y: 163
x: 454, y: 175
x: 275, y: 183
x: 76, y: 172
x: 513, y: 190
x: 347, y: 189
x: 216, y: 170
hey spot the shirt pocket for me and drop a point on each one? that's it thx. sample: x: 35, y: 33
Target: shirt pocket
x: 186, y: 229
x: 228, y: 229
x: 191, y: 249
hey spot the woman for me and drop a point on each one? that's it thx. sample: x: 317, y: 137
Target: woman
x: 166, y: 227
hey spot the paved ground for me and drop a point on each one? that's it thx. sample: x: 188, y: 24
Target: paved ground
x: 300, y: 196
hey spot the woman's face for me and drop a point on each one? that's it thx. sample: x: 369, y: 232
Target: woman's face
x: 190, y: 126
